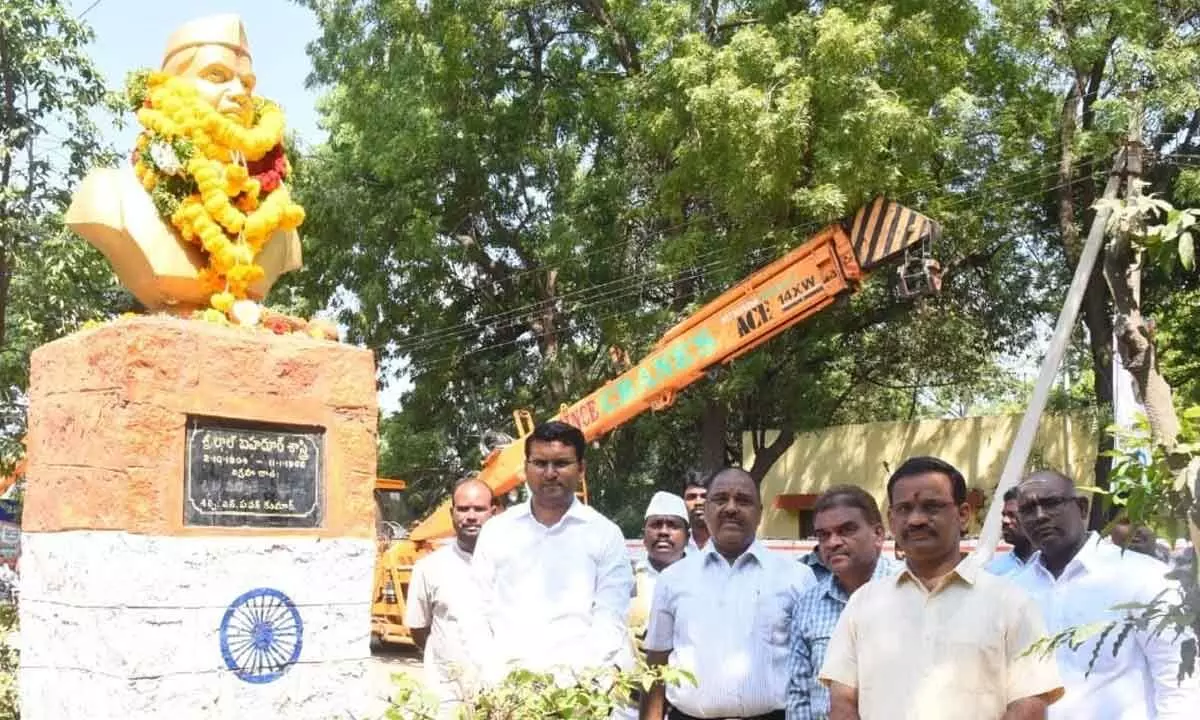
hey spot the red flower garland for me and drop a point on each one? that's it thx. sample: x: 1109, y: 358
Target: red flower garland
x: 270, y: 170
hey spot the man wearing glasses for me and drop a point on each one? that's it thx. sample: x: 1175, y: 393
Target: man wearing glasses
x: 554, y: 574
x: 1078, y: 579
x: 943, y: 639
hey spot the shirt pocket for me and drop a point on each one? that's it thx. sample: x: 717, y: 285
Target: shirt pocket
x: 773, y: 617
x: 970, y: 665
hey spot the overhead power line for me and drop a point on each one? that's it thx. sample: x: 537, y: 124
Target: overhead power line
x: 631, y: 285
x: 696, y: 291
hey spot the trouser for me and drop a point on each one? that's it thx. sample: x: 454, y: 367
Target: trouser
x: 677, y: 714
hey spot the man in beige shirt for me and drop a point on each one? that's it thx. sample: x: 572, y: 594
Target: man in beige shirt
x: 943, y: 640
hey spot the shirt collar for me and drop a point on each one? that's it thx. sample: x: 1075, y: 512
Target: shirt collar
x: 575, y: 511
x: 1089, y: 556
x: 966, y: 570
x: 644, y: 566
x: 884, y: 567
x: 757, y: 551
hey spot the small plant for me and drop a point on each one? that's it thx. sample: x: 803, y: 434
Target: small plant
x: 528, y: 695
x: 10, y: 707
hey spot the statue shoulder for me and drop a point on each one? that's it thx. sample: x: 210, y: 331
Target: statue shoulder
x: 101, y: 198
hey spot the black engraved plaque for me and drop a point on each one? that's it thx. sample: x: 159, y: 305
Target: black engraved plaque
x: 250, y: 474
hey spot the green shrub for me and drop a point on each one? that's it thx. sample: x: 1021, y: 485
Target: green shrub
x: 526, y: 695
x: 10, y: 708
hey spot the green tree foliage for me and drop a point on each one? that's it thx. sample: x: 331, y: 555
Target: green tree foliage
x: 50, y: 282
x: 514, y: 189
x: 1087, y: 66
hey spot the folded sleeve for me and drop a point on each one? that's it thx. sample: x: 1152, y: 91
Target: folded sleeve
x: 1175, y: 698
x: 660, y: 630
x: 610, y: 608
x: 418, y: 603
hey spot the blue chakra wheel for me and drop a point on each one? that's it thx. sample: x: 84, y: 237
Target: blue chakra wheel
x: 261, y: 635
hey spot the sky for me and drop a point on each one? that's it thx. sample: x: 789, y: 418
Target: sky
x: 132, y: 34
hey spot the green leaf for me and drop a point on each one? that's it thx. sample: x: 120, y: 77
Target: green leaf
x: 1187, y: 251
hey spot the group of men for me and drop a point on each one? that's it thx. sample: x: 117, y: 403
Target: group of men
x: 846, y: 634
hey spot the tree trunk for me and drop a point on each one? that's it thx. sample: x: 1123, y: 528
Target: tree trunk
x: 714, y: 428
x: 1095, y: 299
x: 1135, y: 339
x: 765, y: 455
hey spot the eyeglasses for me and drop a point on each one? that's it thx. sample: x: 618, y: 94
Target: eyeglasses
x: 544, y: 465
x: 1049, y: 505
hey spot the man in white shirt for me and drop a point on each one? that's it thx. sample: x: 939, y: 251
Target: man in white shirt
x: 725, y: 615
x: 553, y: 574
x: 1014, y: 560
x: 695, y: 492
x: 441, y: 609
x: 665, y: 536
x: 1077, y: 578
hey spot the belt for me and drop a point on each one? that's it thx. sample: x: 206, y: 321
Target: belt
x: 677, y: 714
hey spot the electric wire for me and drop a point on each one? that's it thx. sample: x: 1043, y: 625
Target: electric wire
x: 528, y: 335
x: 608, y: 290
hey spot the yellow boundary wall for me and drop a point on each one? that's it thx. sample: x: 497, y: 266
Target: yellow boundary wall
x: 866, y: 454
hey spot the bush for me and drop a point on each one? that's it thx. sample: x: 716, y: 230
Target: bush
x: 10, y: 708
x: 525, y: 695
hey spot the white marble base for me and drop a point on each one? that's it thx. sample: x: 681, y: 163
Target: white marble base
x: 128, y: 627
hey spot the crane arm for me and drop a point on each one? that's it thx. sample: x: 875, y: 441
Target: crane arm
x: 789, y: 290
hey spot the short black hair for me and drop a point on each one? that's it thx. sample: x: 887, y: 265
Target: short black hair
x: 557, y: 431
x: 696, y: 478
x: 849, y: 496
x: 922, y: 464
x: 1010, y: 494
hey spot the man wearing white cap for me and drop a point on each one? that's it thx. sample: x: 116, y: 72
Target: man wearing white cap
x: 665, y: 535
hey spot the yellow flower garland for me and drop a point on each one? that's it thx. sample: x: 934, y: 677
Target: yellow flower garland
x: 227, y: 216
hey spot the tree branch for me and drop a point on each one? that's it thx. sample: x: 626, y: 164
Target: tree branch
x: 627, y: 51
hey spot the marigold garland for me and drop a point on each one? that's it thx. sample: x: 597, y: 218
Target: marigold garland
x: 219, y: 184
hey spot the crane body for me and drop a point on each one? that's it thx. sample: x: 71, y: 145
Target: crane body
x: 798, y: 285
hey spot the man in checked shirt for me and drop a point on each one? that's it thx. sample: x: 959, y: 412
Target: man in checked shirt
x: 849, y: 530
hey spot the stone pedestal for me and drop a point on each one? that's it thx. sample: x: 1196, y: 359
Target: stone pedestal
x: 198, y: 525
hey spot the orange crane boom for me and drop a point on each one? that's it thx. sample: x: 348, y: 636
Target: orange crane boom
x: 789, y: 290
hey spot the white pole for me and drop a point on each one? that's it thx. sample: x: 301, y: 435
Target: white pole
x: 1019, y: 454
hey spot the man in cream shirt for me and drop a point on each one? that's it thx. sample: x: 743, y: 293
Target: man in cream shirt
x: 553, y: 574
x: 943, y: 639
x: 1077, y: 579
x: 441, y: 606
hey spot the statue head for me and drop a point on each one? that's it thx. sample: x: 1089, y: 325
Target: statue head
x: 214, y: 54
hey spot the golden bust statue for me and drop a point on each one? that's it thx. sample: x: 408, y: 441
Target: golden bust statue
x: 115, y: 210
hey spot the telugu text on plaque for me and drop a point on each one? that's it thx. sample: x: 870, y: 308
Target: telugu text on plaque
x: 253, y: 474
